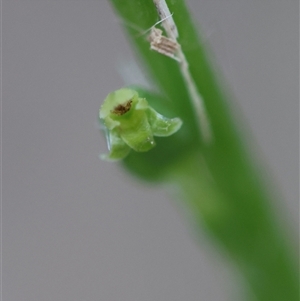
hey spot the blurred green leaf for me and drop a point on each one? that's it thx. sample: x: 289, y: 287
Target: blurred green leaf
x: 217, y: 182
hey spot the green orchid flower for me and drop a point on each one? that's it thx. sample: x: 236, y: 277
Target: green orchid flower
x: 131, y: 123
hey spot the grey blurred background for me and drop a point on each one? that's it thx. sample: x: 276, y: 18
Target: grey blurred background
x: 77, y: 228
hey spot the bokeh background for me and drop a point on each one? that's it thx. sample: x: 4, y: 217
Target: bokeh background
x: 77, y: 228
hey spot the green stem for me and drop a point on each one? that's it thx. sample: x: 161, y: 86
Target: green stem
x: 217, y: 181
x: 246, y: 231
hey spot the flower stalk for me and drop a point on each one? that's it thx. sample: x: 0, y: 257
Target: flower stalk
x: 216, y: 182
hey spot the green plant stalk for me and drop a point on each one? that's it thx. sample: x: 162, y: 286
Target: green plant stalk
x: 218, y: 183
x: 246, y: 232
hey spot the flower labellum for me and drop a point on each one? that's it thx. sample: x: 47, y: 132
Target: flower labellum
x: 131, y: 124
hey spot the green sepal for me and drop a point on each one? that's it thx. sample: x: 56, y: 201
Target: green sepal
x: 162, y: 126
x: 117, y: 147
x: 137, y: 132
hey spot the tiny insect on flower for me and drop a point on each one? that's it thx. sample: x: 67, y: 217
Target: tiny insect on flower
x: 131, y: 123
